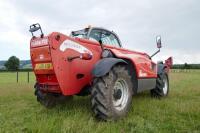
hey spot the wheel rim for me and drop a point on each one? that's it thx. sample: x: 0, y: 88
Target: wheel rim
x: 120, y: 94
x: 165, y: 87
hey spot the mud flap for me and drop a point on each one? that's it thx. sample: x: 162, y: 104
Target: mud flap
x: 103, y: 66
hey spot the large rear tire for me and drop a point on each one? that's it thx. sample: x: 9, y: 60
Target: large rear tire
x: 162, y: 86
x: 49, y: 100
x: 45, y: 99
x: 111, y: 94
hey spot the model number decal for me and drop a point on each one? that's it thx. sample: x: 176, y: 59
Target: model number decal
x: 68, y: 44
x: 39, y: 42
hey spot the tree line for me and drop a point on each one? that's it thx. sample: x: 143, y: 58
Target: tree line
x: 186, y: 66
x: 13, y: 63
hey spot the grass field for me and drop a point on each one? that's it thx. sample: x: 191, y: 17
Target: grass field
x: 179, y: 112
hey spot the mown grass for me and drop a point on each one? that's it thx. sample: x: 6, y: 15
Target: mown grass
x: 179, y: 112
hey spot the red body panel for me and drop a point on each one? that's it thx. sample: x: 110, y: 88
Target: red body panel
x: 168, y: 63
x: 145, y: 68
x: 68, y: 77
x: 69, y: 71
x: 45, y: 77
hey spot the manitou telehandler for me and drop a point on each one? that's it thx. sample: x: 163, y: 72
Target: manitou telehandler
x: 93, y: 62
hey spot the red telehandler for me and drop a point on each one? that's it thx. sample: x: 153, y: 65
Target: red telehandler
x: 93, y: 62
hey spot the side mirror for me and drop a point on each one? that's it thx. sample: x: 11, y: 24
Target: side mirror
x: 159, y: 45
x: 158, y: 41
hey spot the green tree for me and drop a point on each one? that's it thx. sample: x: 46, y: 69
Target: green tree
x: 186, y: 66
x: 12, y: 64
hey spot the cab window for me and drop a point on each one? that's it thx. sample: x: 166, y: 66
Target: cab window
x: 95, y: 35
x: 109, y: 38
x: 106, y: 37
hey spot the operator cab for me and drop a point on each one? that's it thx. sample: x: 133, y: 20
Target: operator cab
x: 100, y: 35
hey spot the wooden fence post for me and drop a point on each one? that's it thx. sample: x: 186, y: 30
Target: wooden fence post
x: 28, y: 77
x: 17, y: 76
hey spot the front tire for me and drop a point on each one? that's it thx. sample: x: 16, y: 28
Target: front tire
x: 111, y: 94
x: 162, y: 86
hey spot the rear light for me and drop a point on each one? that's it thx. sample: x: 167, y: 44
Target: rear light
x: 86, y: 56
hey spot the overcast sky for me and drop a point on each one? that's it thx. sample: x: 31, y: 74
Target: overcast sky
x: 137, y: 22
